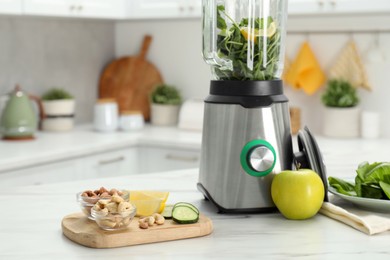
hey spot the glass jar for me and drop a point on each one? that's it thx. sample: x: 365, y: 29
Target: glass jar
x: 244, y: 39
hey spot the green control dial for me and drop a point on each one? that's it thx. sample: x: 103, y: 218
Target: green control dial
x: 258, y: 158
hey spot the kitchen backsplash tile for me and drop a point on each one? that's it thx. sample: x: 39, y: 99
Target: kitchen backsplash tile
x: 39, y: 53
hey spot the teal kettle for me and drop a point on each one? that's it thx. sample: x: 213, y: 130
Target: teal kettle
x: 19, y: 120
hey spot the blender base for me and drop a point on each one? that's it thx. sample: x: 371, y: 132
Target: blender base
x: 221, y: 209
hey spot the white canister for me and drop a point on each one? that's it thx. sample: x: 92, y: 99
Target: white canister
x: 370, y: 125
x: 131, y: 120
x: 105, y: 115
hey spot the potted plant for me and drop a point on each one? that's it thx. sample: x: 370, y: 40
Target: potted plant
x: 59, y: 108
x: 341, y: 117
x: 165, y: 105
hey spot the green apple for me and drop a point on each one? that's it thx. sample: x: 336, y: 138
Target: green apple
x: 298, y: 194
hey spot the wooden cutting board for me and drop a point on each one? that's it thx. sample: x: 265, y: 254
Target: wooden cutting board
x: 130, y: 80
x: 78, y: 228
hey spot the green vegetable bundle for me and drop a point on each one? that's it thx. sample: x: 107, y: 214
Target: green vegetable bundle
x: 372, y: 181
x: 233, y: 44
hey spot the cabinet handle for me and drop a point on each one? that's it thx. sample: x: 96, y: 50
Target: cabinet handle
x: 80, y: 8
x: 72, y: 7
x: 113, y: 160
x: 321, y: 3
x: 181, y: 158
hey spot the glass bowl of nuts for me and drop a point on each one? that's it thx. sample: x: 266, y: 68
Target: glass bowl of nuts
x: 114, y: 213
x: 87, y: 199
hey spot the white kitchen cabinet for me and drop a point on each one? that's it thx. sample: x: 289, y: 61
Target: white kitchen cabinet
x: 306, y: 6
x: 115, y: 9
x: 152, y: 9
x: 108, y: 164
x: 10, y: 6
x: 329, y: 7
x: 48, y: 173
x: 121, y: 162
x: 157, y: 159
x: 115, y: 163
x: 359, y: 6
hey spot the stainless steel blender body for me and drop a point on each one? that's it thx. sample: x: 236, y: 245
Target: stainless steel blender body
x: 246, y: 141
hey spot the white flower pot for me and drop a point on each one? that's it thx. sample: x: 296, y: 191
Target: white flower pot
x: 341, y: 122
x: 59, y: 115
x: 164, y: 115
x: 59, y: 107
x: 57, y: 124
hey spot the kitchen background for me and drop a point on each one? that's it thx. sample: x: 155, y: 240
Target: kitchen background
x: 39, y: 53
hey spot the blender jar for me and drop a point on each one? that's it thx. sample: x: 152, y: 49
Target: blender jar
x: 244, y: 39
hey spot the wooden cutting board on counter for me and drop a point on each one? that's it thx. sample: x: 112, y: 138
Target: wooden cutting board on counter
x: 78, y: 228
x: 130, y: 80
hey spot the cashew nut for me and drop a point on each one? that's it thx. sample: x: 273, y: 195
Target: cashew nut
x: 143, y: 224
x: 146, y: 222
x: 150, y: 221
x: 159, y: 219
x: 112, y: 207
x: 100, y: 211
x: 117, y: 199
x: 103, y: 203
x: 107, y: 223
x: 124, y: 207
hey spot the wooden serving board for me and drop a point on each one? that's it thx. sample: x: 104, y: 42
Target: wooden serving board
x: 78, y: 228
x: 130, y: 80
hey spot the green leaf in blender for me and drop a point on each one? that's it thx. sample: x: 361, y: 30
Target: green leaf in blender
x: 221, y: 24
x: 252, y: 46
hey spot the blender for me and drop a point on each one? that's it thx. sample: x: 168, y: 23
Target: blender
x: 246, y: 137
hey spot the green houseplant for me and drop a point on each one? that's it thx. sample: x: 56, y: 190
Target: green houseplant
x: 340, y: 93
x: 165, y: 105
x: 59, y: 108
x: 56, y: 94
x: 341, y: 116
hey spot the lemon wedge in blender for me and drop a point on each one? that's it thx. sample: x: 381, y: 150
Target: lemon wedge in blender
x: 252, y: 34
x: 148, y: 202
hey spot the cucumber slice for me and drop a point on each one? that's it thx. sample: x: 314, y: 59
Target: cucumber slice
x: 184, y: 215
x: 187, y: 205
x: 167, y: 212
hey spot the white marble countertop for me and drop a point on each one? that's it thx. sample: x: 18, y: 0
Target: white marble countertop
x: 30, y: 228
x: 30, y: 219
x: 50, y: 147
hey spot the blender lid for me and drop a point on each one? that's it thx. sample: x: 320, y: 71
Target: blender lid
x: 310, y: 156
